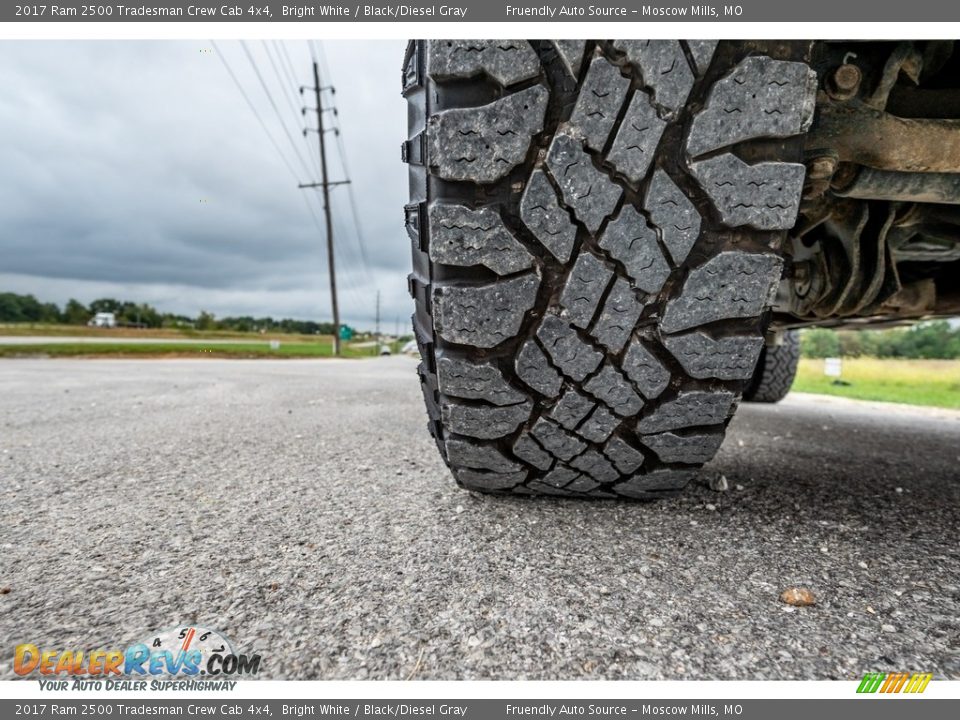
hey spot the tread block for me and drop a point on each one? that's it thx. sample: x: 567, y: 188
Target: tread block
x: 765, y: 196
x: 585, y: 284
x: 646, y: 486
x: 483, y: 315
x: 482, y: 144
x: 674, y: 214
x: 596, y: 466
x: 664, y: 68
x: 626, y: 458
x: 557, y: 441
x: 475, y: 381
x: 541, y: 212
x: 761, y: 97
x: 571, y: 52
x: 702, y: 51
x: 612, y: 388
x: 599, y: 426
x: 535, y: 370
x: 636, y: 143
x: 541, y: 488
x: 560, y: 476
x: 601, y: 96
x: 645, y: 371
x: 578, y: 180
x: 464, y: 237
x: 527, y: 449
x: 480, y: 457
x: 693, y: 449
x: 688, y: 409
x: 731, y: 284
x: 485, y: 423
x: 727, y: 358
x: 571, y: 409
x: 489, y: 481
x: 506, y: 61
x: 572, y: 355
x: 630, y: 240
x: 618, y: 317
x: 582, y: 484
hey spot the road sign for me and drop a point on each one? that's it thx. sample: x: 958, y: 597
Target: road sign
x: 832, y: 367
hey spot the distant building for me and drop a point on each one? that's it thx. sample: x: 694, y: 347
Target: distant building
x: 103, y: 319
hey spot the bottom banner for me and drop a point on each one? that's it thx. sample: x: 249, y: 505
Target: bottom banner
x: 786, y: 709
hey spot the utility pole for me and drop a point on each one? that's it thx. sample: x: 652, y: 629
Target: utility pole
x: 377, y: 346
x: 325, y: 185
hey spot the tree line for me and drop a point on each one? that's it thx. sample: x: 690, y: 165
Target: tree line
x: 16, y: 308
x: 935, y: 340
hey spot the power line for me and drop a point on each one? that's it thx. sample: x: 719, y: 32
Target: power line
x: 273, y: 104
x: 286, y: 66
x: 321, y: 54
x: 284, y: 88
x: 253, y: 109
x: 263, y: 125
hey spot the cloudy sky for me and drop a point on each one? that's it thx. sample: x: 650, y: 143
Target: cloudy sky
x: 137, y: 170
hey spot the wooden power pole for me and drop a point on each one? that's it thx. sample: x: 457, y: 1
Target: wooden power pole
x: 325, y: 185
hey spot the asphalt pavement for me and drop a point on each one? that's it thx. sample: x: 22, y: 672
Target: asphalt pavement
x: 300, y: 507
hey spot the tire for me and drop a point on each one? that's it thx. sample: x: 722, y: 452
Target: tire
x: 776, y: 369
x: 593, y: 265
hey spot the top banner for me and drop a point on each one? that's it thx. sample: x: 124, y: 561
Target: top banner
x: 484, y: 11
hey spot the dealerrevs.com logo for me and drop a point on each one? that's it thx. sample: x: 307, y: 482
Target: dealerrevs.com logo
x: 180, y: 658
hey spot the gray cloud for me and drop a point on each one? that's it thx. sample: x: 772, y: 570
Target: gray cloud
x: 136, y: 170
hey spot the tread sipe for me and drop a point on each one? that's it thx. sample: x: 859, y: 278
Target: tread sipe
x: 596, y: 230
x: 775, y: 371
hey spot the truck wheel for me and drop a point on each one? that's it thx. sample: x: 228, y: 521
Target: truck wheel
x: 597, y: 231
x: 775, y: 371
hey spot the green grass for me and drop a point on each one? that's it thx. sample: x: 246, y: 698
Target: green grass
x: 913, y: 382
x: 55, y: 330
x: 173, y: 348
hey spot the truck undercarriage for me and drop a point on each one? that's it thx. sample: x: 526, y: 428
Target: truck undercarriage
x: 877, y: 239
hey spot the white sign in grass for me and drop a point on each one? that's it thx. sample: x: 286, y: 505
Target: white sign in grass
x: 832, y: 367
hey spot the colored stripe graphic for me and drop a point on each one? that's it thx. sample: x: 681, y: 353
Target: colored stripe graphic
x: 894, y: 682
x: 918, y: 682
x: 871, y: 682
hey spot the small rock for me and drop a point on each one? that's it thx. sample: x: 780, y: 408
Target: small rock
x: 458, y: 509
x: 871, y: 610
x: 738, y: 486
x: 888, y: 628
x: 711, y: 507
x: 798, y: 597
x: 900, y: 491
x: 862, y: 564
x: 719, y: 483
